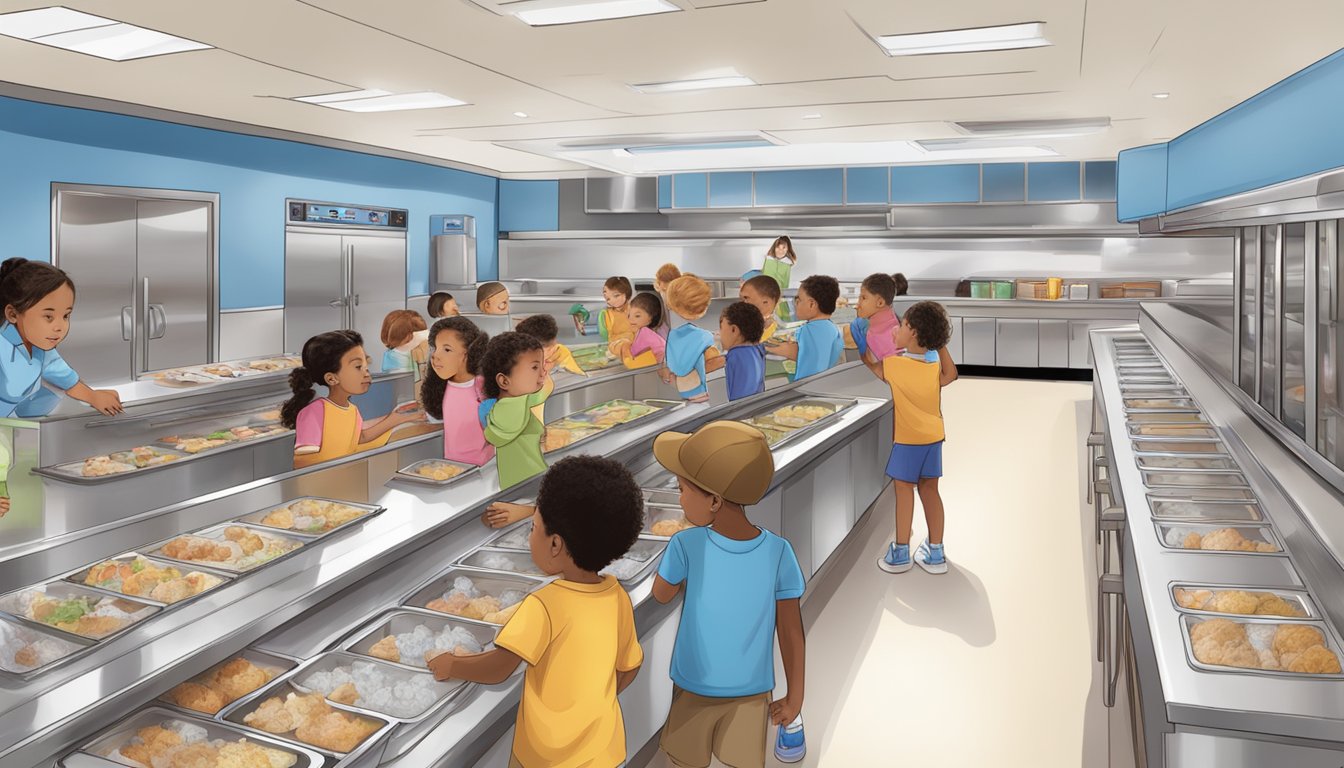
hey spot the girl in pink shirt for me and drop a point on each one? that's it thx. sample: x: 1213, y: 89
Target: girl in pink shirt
x: 453, y: 392
x: 647, y: 349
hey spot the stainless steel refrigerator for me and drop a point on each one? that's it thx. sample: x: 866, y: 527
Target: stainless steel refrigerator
x: 345, y: 267
x: 143, y: 263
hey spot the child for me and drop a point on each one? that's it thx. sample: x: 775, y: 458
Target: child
x: 330, y: 427
x: 902, y: 285
x: 613, y: 323
x: 743, y: 585
x: 514, y: 372
x: 740, y: 329
x: 543, y: 329
x: 763, y: 293
x: 577, y: 633
x: 442, y: 304
x: 492, y: 299
x: 916, y: 378
x: 688, y: 344
x: 873, y: 328
x: 819, y: 345
x: 779, y: 261
x: 453, y: 391
x: 407, y: 340
x: 648, y: 348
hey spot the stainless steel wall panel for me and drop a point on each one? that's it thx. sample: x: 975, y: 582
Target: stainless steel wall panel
x: 251, y: 333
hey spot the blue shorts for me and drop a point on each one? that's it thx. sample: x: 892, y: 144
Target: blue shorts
x: 911, y: 463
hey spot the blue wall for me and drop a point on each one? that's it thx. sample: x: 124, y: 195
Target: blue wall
x: 41, y: 144
x: 528, y: 206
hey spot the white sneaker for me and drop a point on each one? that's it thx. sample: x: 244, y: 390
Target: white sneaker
x: 931, y: 558
x: 896, y: 559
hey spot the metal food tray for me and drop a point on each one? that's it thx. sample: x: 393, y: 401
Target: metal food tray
x: 1175, y: 461
x: 840, y: 404
x: 77, y: 577
x: 274, y: 663
x: 654, y: 513
x: 1191, y: 446
x: 1193, y: 478
x: 662, y: 497
x: 232, y: 441
x: 73, y: 472
x: 408, y: 472
x: 1143, y: 404
x: 1188, y: 621
x: 1225, y: 511
x: 475, y: 558
x: 660, y: 407
x: 489, y: 582
x: 282, y: 687
x: 73, y: 645
x: 1257, y: 532
x: 63, y: 590
x: 1153, y: 390
x: 1191, y: 493
x: 400, y: 621
x: 659, y: 545
x: 1167, y: 417
x: 1178, y: 431
x: 216, y: 532
x: 254, y: 519
x: 448, y: 691
x: 112, y: 738
x: 496, y: 541
x: 1299, y: 597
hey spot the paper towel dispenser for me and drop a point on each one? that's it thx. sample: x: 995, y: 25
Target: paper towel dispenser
x: 452, y: 262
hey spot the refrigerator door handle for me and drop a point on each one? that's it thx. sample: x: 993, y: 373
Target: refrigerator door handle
x: 127, y: 323
x: 158, y: 321
x: 350, y: 301
x: 144, y: 336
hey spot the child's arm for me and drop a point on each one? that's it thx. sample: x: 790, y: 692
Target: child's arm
x: 947, y: 369
x: 663, y: 591
x: 792, y: 646
x: 502, y: 513
x: 375, y: 429
x: 876, y: 368
x: 624, y: 679
x: 493, y: 666
x: 105, y: 401
x: 788, y: 350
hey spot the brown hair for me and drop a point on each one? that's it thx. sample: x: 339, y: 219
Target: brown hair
x: 621, y: 285
x: 437, y: 301
x: 766, y: 286
x: 321, y: 355
x: 667, y: 273
x: 784, y: 239
x: 432, y: 388
x: 399, y: 326
x: 652, y: 306
x: 929, y: 321
x: 881, y: 285
x: 688, y: 296
x: 23, y: 283
x: 486, y: 290
x: 902, y: 285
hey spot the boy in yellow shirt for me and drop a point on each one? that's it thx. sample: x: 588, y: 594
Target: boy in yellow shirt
x: 576, y: 634
x: 916, y: 378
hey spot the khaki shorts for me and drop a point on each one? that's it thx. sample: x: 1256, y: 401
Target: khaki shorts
x: 733, y: 730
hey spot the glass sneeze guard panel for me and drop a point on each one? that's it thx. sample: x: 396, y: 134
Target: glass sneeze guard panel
x: 1250, y: 276
x: 1293, y: 389
x: 1330, y: 354
x: 1269, y: 319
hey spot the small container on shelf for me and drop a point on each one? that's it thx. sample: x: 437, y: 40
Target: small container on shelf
x: 982, y: 289
x: 436, y: 471
x: 1003, y: 289
x: 664, y: 521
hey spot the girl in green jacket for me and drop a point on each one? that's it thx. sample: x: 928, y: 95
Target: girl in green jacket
x: 514, y: 373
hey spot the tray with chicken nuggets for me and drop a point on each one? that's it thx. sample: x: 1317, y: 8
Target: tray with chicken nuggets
x: 156, y: 737
x: 663, y: 521
x: 149, y: 579
x: 1225, y: 599
x: 312, y: 515
x: 476, y: 594
x: 1261, y: 646
x: 229, y: 681
x: 76, y: 610
x: 404, y: 636
x: 308, y: 719
x: 1221, y: 538
x: 371, y: 685
x: 231, y: 547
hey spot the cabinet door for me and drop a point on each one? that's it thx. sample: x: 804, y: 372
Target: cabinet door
x: 1017, y: 345
x: 314, y: 287
x: 1054, y: 343
x: 1080, y: 350
x: 173, y: 277
x: 977, y: 340
x: 377, y: 285
x: 96, y: 243
x: 954, y: 341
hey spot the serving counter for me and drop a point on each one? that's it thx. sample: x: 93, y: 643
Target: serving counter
x: 334, y: 590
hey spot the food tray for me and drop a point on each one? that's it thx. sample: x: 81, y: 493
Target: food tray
x: 1188, y: 622
x: 1252, y: 532
x: 446, y: 691
x: 184, y: 377
x: 61, y: 647
x: 226, y: 438
x: 274, y: 664
x: 1191, y: 478
x: 1174, y: 431
x: 237, y: 712
x: 114, y: 737
x: 1164, y: 508
x: 78, y: 577
x: 654, y: 513
x: 1175, y: 445
x: 1204, y: 494
x: 1184, y: 461
x: 513, y: 537
x: 401, y: 621
x: 837, y: 405
x: 521, y: 562
x: 254, y: 519
x: 73, y: 472
x: 1300, y: 599
x: 1160, y: 404
x: 663, y: 498
x: 580, y: 420
x: 1153, y: 390
x: 408, y: 473
x: 217, y: 533
x: 62, y: 590
x: 1166, y: 417
x: 647, y: 550
x: 488, y: 582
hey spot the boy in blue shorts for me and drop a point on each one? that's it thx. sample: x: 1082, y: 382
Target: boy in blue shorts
x: 916, y: 377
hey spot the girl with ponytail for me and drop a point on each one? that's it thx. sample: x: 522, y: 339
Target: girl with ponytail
x: 331, y: 427
x: 453, y: 390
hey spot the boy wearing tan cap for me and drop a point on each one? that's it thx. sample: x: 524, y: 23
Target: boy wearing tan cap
x: 743, y: 585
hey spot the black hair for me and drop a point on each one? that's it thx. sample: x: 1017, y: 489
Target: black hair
x: 540, y: 327
x: 765, y: 285
x: 881, y: 285
x: 487, y: 290
x: 501, y: 354
x: 321, y: 355
x: 747, y: 319
x: 432, y: 388
x: 23, y: 283
x: 621, y: 284
x: 823, y: 289
x: 929, y: 321
x: 437, y: 301
x: 902, y: 285
x: 652, y: 304
x: 594, y: 505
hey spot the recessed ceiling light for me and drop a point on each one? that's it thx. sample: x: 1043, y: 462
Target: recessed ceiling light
x: 1161, y: 95
x: 1028, y: 35
x: 980, y: 148
x: 1036, y: 129
x: 812, y: 117
x: 692, y: 147
x: 29, y: 25
x: 94, y: 35
x: 543, y: 13
x: 328, y: 98
x: 726, y: 81
x: 520, y: 114
x: 381, y: 101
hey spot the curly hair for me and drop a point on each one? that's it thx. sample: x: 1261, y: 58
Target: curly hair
x: 594, y: 505
x: 501, y: 354
x: 652, y: 306
x: 824, y: 289
x: 540, y: 327
x: 747, y: 319
x: 929, y: 321
x: 321, y: 355
x: 902, y: 285
x: 433, y: 387
x: 688, y: 296
x: 881, y: 285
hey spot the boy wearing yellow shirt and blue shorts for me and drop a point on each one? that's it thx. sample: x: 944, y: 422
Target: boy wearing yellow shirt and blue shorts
x: 916, y: 377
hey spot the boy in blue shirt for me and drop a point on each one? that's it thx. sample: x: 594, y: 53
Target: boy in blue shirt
x: 743, y: 586
x: 740, y: 329
x: 818, y: 344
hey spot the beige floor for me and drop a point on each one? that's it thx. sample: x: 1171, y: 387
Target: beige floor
x: 992, y: 663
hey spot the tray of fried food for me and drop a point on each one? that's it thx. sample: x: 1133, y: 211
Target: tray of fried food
x: 559, y: 436
x: 311, y: 515
x: 233, y: 548
x: 25, y: 649
x: 135, y: 575
x: 1241, y: 539
x: 76, y: 610
x: 156, y: 737
x: 436, y: 471
x: 664, y: 521
x: 374, y: 685
x: 1243, y: 601
x: 273, y: 364
x: 1261, y: 645
x: 474, y: 594
x: 405, y: 636
x: 229, y: 681
x: 308, y: 719
x: 185, y: 377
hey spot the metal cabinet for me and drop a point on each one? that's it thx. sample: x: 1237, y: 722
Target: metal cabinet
x: 954, y: 341
x: 1080, y: 351
x: 978, y: 340
x: 1017, y: 344
x: 1054, y: 343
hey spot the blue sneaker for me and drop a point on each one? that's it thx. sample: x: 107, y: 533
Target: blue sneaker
x: 790, y: 745
x: 897, y: 559
x: 931, y: 558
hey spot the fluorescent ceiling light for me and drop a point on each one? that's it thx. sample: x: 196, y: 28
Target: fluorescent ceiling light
x: 812, y: 117
x: 543, y: 13
x: 1036, y: 129
x: 382, y: 101
x: 30, y: 25
x: 94, y: 35
x: 727, y: 81
x: 984, y: 152
x: 1161, y: 95
x: 718, y: 145
x: 328, y: 98
x: 1029, y: 35
x: 520, y: 114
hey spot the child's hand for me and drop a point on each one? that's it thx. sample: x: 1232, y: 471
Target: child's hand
x: 666, y: 375
x: 615, y: 347
x: 785, y: 710
x: 788, y: 349
x: 440, y: 663
x: 4, y: 506
x: 409, y: 418
x: 502, y: 513
x: 105, y: 401
x: 578, y: 325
